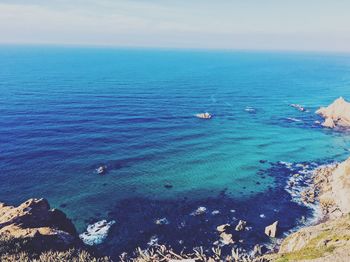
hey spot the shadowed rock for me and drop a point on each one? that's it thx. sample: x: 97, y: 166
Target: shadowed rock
x: 35, y: 221
x: 271, y: 230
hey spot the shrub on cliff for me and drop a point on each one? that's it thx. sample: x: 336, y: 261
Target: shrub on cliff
x: 20, y: 250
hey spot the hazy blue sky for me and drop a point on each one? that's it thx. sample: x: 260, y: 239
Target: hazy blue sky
x: 236, y: 24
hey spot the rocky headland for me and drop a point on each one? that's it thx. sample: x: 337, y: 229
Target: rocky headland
x: 34, y: 221
x: 330, y: 239
x: 33, y: 231
x: 336, y: 114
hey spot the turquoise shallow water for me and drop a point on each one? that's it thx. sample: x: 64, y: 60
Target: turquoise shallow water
x: 65, y: 111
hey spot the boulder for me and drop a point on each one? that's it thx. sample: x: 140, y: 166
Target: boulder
x: 226, y: 238
x: 204, y: 115
x: 271, y: 230
x: 241, y: 225
x: 223, y: 228
x: 336, y: 114
x: 34, y: 221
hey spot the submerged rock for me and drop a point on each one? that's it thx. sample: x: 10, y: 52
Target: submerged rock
x: 168, y: 185
x: 336, y: 114
x: 96, y: 233
x: 271, y: 230
x: 34, y: 221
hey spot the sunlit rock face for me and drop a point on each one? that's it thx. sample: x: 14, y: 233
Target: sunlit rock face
x: 336, y: 114
x: 35, y: 221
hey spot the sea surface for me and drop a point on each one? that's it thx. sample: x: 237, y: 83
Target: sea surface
x: 65, y: 111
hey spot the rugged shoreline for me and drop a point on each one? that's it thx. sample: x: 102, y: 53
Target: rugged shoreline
x: 329, y: 238
x: 326, y: 187
x: 326, y: 190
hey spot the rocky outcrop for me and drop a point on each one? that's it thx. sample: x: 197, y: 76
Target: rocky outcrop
x: 34, y: 221
x: 332, y: 183
x: 223, y: 228
x: 329, y: 240
x: 226, y: 238
x: 204, y: 115
x: 271, y: 230
x: 336, y: 115
x: 241, y: 225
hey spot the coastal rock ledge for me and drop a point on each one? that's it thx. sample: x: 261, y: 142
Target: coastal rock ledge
x: 336, y: 114
x: 36, y: 222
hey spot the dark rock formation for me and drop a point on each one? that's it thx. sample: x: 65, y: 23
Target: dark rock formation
x: 34, y: 221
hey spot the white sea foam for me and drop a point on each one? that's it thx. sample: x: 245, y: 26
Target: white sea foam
x: 153, y: 241
x: 293, y: 119
x: 96, y: 233
x: 162, y: 221
x: 299, y: 182
x: 250, y: 109
x: 215, y: 212
x: 199, y: 211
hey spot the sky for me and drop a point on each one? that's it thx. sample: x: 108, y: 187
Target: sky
x: 317, y: 25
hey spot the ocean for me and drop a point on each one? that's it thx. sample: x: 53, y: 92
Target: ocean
x: 65, y: 111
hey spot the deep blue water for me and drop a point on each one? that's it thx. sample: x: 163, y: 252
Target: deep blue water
x: 66, y: 111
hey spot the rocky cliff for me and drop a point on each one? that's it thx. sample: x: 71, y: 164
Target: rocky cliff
x: 35, y: 222
x: 329, y: 240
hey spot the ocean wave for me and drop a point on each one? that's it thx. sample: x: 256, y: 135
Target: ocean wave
x: 96, y: 233
x: 300, y: 180
x: 294, y: 119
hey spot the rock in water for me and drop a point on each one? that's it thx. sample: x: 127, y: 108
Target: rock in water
x: 271, y: 230
x: 204, y: 115
x: 223, y: 228
x: 226, y: 239
x: 34, y: 221
x: 162, y: 221
x: 336, y: 114
x: 241, y: 225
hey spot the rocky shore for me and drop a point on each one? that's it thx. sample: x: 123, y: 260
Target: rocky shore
x: 33, y: 231
x: 330, y: 239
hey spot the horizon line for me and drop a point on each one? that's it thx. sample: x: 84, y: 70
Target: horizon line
x: 138, y: 47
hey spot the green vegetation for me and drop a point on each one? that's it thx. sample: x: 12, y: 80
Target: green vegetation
x: 318, y: 247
